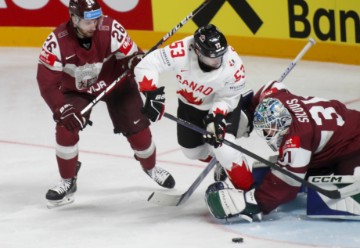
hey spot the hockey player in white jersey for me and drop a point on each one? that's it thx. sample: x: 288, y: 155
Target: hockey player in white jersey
x: 210, y: 79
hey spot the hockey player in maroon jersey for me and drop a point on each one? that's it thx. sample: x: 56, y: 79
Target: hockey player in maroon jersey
x: 210, y: 80
x: 313, y: 136
x: 78, y: 60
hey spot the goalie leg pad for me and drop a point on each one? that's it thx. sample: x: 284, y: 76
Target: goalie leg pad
x: 320, y: 206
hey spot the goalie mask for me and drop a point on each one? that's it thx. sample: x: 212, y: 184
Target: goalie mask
x: 272, y: 121
x: 210, y: 46
x: 86, y: 16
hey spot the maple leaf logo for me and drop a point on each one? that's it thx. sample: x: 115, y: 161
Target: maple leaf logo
x: 146, y: 84
x: 189, y: 97
x: 219, y: 111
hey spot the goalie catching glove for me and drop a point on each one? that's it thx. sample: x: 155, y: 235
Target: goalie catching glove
x: 232, y: 204
x: 216, y: 126
x: 154, y: 107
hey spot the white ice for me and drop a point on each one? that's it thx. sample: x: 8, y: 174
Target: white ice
x: 111, y: 208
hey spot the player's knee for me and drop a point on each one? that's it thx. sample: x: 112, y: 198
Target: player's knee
x: 141, y: 140
x: 241, y: 176
x: 143, y: 145
x: 197, y: 153
x: 65, y: 137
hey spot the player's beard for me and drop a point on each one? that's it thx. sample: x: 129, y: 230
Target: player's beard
x: 85, y: 33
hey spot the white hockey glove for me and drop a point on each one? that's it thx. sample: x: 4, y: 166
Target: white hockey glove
x: 232, y: 204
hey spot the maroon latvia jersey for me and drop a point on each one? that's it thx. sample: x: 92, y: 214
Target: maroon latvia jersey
x: 322, y: 132
x: 66, y: 66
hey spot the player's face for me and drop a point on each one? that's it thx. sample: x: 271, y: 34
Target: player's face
x: 211, y: 62
x: 269, y: 132
x: 87, y: 28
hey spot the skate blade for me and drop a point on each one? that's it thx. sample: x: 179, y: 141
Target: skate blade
x: 58, y: 203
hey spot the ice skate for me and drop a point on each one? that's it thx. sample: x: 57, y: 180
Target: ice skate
x: 62, y: 193
x: 162, y: 177
x: 219, y: 173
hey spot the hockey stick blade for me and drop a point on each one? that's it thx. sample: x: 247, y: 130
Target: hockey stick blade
x: 163, y: 199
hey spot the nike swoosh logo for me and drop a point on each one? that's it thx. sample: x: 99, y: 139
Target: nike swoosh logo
x: 69, y: 57
x: 136, y: 122
x: 183, y: 70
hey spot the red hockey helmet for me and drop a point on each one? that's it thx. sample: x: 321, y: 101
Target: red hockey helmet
x: 85, y: 9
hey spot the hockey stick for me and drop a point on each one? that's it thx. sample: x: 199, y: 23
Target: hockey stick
x: 308, y: 45
x: 163, y: 39
x: 164, y: 199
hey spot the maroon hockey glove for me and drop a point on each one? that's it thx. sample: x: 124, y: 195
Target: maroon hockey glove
x: 217, y: 127
x: 154, y: 104
x: 132, y: 61
x: 69, y: 117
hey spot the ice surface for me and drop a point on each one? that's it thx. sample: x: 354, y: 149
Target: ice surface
x: 110, y: 208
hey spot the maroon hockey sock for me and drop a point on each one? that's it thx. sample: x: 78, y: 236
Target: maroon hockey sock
x: 67, y: 168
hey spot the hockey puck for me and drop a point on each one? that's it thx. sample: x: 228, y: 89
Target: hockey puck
x: 237, y: 240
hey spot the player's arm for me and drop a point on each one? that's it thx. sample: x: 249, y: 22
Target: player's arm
x: 49, y: 76
x: 277, y: 188
x: 147, y: 74
x: 225, y: 101
x: 124, y: 48
x: 49, y: 73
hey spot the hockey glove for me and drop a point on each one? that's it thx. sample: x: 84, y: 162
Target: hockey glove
x: 154, y: 104
x: 69, y: 117
x: 132, y: 61
x: 232, y: 204
x: 216, y: 126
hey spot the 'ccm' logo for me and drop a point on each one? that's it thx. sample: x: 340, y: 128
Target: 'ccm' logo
x: 326, y: 179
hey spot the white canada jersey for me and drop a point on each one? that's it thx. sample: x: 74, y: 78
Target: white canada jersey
x: 218, y: 90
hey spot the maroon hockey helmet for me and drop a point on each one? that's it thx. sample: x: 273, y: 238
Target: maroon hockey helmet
x: 85, y: 9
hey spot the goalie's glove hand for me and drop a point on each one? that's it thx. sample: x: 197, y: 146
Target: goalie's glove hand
x: 232, y: 204
x: 216, y: 126
x: 131, y: 62
x: 154, y: 107
x: 69, y: 117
